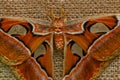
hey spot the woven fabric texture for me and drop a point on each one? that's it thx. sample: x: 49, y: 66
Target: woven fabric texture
x: 75, y: 9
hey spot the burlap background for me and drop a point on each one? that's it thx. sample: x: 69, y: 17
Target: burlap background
x: 76, y: 9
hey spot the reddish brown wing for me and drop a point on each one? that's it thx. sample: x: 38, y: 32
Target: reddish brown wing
x: 97, y: 48
x: 77, y: 68
x: 17, y: 48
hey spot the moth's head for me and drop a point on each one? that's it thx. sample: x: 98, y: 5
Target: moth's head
x: 57, y: 22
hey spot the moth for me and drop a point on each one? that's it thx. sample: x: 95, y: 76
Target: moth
x: 86, y: 47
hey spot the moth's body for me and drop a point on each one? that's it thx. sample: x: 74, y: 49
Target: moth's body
x: 58, y: 33
x: 58, y: 49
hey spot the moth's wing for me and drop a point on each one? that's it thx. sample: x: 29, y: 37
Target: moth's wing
x: 73, y: 27
x: 17, y: 46
x: 45, y: 58
x: 30, y: 70
x: 41, y: 27
x: 94, y: 45
x: 108, y: 45
x: 12, y: 52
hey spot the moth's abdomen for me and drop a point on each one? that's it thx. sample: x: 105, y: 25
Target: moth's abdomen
x: 58, y: 41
